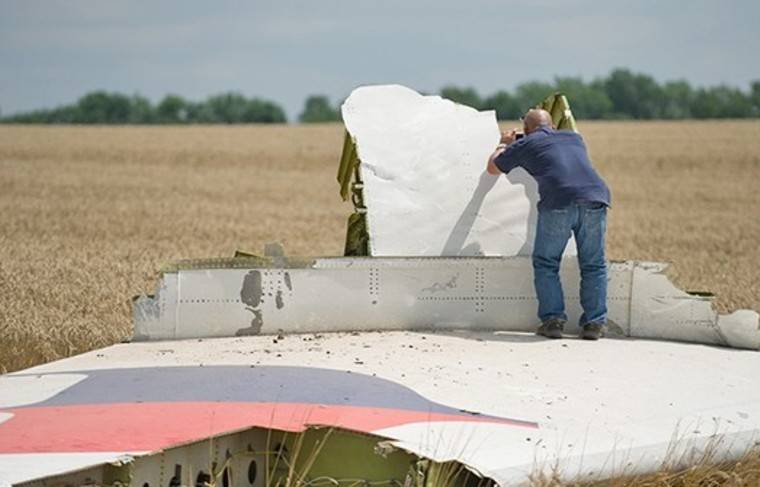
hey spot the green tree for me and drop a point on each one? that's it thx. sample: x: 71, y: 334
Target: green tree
x: 755, y: 98
x: 263, y: 111
x: 317, y: 109
x: 227, y: 108
x: 506, y: 105
x: 200, y: 112
x: 529, y: 94
x: 103, y: 108
x: 587, y: 100
x: 678, y: 97
x: 464, y: 96
x: 172, y: 109
x: 141, y: 111
x: 634, y: 95
x: 235, y: 108
x: 622, y: 94
x: 37, y: 116
x: 60, y: 115
x: 721, y: 102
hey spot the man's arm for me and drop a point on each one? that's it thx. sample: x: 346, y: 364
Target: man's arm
x: 507, y: 139
x: 492, y: 169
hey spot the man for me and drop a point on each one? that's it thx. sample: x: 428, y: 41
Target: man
x: 573, y: 198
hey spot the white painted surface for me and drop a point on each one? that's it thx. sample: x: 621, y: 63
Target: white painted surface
x: 599, y: 404
x: 423, y: 162
x: 18, y: 468
x: 382, y: 293
x: 20, y: 391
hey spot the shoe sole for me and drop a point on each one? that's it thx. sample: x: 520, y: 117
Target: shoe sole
x: 555, y: 335
x: 592, y: 335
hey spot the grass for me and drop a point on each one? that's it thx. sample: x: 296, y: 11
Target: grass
x: 704, y: 472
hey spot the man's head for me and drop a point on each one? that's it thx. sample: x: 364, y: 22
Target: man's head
x: 535, y: 119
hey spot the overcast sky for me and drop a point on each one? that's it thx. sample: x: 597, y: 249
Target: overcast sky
x: 52, y: 52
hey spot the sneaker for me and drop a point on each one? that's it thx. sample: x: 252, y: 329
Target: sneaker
x: 593, y: 331
x: 551, y: 328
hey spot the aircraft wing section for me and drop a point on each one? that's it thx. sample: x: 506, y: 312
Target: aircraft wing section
x: 506, y: 405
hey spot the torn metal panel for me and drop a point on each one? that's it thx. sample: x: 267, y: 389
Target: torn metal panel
x: 559, y: 108
x: 347, y: 165
x: 477, y: 293
x: 425, y: 187
x: 740, y: 329
x: 655, y: 301
x: 157, y: 313
x: 143, y: 410
x: 506, y: 405
x: 78, y: 467
x: 660, y: 310
x: 360, y: 294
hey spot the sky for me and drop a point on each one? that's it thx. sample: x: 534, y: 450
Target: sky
x: 54, y: 51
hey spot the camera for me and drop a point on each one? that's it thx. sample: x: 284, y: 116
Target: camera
x: 519, y: 135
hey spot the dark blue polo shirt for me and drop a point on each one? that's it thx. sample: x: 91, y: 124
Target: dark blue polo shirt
x: 559, y: 162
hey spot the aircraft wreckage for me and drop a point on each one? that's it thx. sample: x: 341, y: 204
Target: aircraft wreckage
x: 401, y: 362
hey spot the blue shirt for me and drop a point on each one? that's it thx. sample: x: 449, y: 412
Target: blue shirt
x: 559, y: 162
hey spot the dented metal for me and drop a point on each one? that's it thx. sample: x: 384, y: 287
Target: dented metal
x: 394, y: 293
x: 509, y: 406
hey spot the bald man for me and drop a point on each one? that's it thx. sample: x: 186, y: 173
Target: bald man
x: 573, y: 200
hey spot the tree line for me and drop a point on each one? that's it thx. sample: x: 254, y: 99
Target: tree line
x: 101, y: 107
x: 620, y: 95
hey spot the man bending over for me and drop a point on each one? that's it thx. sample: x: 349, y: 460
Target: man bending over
x: 573, y: 198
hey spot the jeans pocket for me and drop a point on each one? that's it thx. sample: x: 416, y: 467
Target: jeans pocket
x: 554, y: 222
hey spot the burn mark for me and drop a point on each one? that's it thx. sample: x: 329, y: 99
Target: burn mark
x: 278, y: 300
x: 288, y: 284
x: 256, y: 323
x: 251, y: 294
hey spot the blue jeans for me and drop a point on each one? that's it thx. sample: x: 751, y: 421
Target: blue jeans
x: 588, y: 222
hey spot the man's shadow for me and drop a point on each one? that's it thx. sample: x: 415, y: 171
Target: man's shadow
x: 455, y: 242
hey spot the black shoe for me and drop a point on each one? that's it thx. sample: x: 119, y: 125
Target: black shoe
x: 551, y: 328
x: 593, y: 331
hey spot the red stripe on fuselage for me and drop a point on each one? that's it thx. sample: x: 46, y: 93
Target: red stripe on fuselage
x: 153, y: 426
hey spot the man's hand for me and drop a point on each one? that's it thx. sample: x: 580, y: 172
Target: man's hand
x: 508, y: 136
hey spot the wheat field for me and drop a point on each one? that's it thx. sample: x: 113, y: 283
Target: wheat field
x: 89, y: 214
